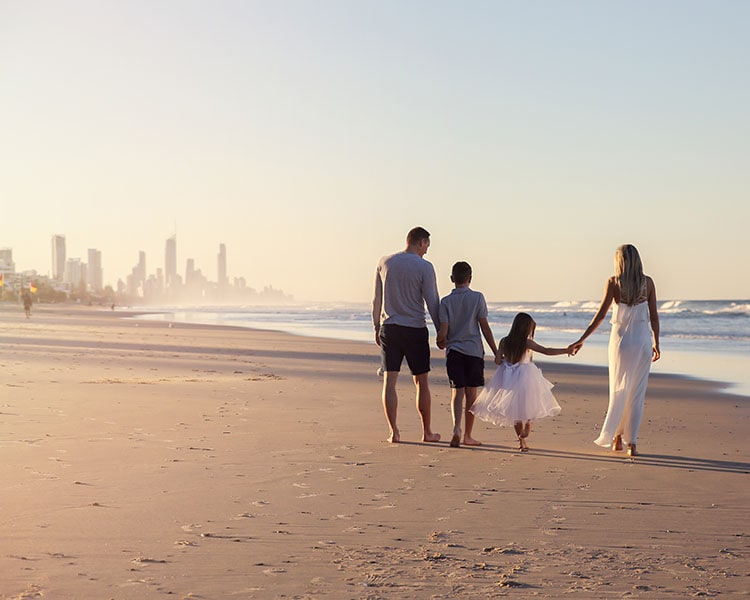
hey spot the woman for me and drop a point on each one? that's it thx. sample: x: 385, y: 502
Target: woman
x: 633, y: 346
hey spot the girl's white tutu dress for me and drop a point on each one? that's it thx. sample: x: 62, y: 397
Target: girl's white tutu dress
x: 516, y: 392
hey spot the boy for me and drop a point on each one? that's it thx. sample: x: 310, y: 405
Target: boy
x: 463, y: 315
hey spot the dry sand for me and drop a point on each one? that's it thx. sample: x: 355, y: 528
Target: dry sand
x: 149, y: 460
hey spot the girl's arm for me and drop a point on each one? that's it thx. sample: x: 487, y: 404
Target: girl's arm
x: 487, y: 333
x: 607, y: 298
x: 532, y: 345
x: 654, y: 317
x: 499, y: 355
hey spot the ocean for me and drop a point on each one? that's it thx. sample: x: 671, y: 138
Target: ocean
x: 706, y: 339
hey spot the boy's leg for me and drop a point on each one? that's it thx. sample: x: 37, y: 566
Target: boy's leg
x: 457, y: 402
x: 471, y: 396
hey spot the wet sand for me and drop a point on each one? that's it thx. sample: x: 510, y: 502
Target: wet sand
x: 154, y: 460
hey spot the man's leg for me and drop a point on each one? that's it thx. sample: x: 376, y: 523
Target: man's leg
x: 457, y: 408
x: 390, y: 404
x: 471, y: 396
x: 424, y: 407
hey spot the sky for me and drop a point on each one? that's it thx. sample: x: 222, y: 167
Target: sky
x: 530, y: 137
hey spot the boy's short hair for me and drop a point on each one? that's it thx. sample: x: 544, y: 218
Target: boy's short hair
x: 461, y: 272
x: 416, y: 235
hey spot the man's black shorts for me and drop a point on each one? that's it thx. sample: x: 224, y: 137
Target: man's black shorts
x: 464, y: 370
x: 397, y: 342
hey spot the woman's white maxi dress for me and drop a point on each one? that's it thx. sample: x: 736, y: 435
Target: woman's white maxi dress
x: 630, y: 354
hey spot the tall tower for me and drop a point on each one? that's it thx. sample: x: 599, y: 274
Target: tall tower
x: 94, y: 275
x: 221, y: 278
x: 58, y: 257
x: 170, y: 262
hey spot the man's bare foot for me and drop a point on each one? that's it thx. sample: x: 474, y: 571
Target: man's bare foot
x: 393, y: 438
x: 631, y: 450
x: 470, y: 441
x: 456, y: 440
x: 431, y: 437
x: 617, y: 443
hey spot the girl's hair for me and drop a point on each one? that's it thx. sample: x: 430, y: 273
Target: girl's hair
x: 514, y: 344
x: 629, y: 273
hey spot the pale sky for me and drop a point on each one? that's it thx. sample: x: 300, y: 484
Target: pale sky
x: 531, y: 138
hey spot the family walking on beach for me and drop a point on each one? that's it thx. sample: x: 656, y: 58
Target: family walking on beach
x: 517, y: 394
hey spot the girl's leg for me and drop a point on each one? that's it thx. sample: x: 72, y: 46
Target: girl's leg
x: 518, y: 426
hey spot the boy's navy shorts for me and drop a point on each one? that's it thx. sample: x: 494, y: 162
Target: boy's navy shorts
x: 464, y: 370
x: 398, y: 341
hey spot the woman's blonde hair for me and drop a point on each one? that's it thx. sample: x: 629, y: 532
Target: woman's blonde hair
x: 629, y: 273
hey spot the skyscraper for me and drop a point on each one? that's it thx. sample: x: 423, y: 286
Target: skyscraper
x: 222, y: 267
x: 170, y: 262
x: 94, y: 275
x: 58, y: 257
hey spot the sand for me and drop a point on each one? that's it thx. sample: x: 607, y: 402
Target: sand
x: 151, y: 460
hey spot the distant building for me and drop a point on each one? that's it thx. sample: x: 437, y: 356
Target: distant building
x: 75, y: 273
x: 170, y: 263
x: 6, y: 261
x: 221, y: 278
x: 58, y: 257
x: 94, y: 274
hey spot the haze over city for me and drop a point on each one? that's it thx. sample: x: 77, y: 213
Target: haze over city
x: 530, y: 139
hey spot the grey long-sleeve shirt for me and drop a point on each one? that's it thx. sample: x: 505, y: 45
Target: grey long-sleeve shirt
x: 404, y: 283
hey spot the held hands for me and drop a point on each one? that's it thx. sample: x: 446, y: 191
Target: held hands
x: 574, y: 348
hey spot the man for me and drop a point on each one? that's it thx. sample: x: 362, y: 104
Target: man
x: 404, y: 282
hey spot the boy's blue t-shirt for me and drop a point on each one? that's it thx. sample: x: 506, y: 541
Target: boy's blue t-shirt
x: 462, y: 309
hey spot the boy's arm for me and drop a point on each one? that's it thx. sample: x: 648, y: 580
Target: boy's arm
x: 487, y: 333
x: 442, y: 335
x: 548, y: 351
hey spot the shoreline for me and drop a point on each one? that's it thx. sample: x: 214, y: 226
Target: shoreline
x: 141, y: 460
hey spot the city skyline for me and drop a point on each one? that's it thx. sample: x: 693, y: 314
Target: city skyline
x: 162, y: 282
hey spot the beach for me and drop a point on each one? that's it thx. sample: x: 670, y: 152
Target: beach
x: 152, y: 459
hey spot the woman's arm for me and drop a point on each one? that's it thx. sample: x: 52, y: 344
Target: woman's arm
x: 654, y: 317
x: 609, y: 294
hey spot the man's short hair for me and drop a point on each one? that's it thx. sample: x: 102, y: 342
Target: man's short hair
x: 461, y: 272
x: 416, y: 235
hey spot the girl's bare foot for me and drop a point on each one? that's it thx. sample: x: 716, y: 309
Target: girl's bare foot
x: 617, y: 443
x: 522, y: 444
x: 470, y: 441
x: 431, y: 437
x: 393, y: 438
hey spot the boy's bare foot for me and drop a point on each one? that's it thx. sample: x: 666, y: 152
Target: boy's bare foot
x: 470, y: 441
x: 393, y: 438
x: 456, y: 440
x: 431, y: 437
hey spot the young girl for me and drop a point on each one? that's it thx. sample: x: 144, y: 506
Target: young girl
x: 517, y: 392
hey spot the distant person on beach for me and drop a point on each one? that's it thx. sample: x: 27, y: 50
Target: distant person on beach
x: 27, y: 303
x: 633, y: 346
x: 518, y: 393
x: 463, y: 321
x: 404, y: 283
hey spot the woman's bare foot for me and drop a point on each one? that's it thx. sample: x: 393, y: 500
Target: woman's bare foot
x: 631, y: 450
x: 431, y: 437
x: 393, y: 438
x: 470, y: 441
x: 617, y: 443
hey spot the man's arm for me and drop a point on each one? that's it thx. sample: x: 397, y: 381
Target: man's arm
x: 431, y: 296
x: 484, y: 325
x: 377, y: 305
